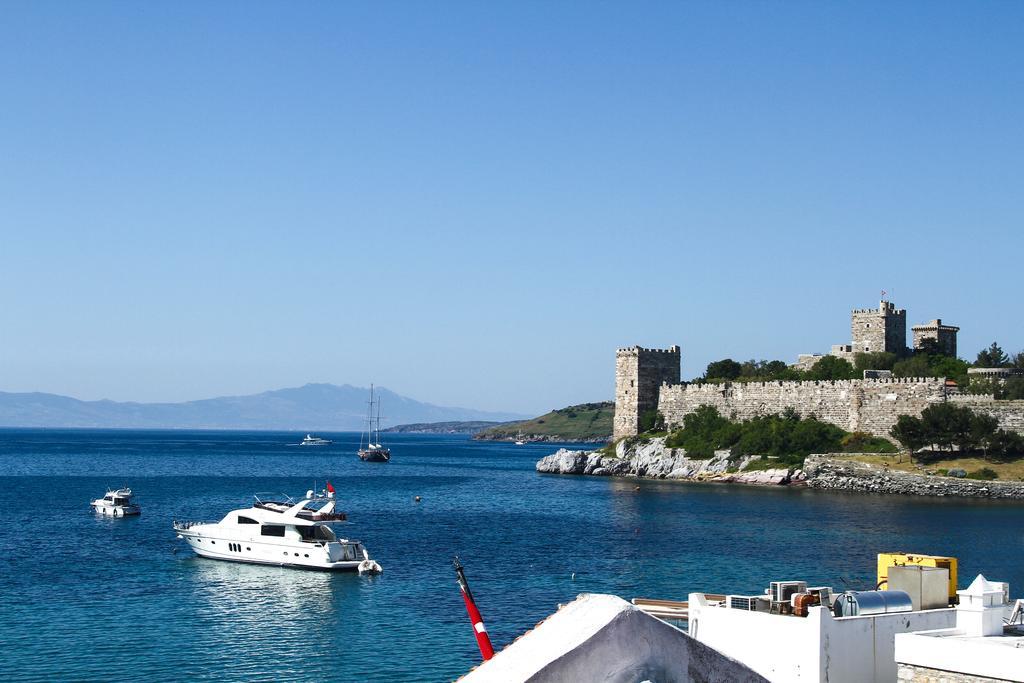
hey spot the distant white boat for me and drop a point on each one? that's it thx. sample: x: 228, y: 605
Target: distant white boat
x: 311, y: 440
x: 116, y: 504
x: 374, y: 451
x: 520, y: 439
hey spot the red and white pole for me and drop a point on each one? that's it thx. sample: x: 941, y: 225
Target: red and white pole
x: 479, y: 630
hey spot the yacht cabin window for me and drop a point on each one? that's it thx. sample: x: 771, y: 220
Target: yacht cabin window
x: 315, y: 533
x: 246, y: 520
x: 272, y: 530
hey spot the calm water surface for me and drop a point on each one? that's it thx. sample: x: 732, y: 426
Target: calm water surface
x: 90, y: 598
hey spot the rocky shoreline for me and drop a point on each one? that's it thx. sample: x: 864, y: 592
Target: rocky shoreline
x: 834, y: 473
x: 539, y: 438
x: 831, y: 471
x: 653, y: 460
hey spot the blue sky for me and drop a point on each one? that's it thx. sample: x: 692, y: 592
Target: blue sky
x: 476, y: 203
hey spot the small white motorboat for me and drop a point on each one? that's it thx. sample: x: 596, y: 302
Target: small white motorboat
x: 116, y: 504
x: 311, y: 440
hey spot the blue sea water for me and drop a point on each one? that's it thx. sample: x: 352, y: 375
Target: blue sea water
x: 88, y: 598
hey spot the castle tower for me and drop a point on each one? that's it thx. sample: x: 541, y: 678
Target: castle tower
x: 639, y: 374
x: 943, y: 337
x: 884, y: 329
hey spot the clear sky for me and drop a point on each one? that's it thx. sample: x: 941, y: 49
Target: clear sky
x: 475, y: 203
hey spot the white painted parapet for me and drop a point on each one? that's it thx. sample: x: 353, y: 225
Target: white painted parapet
x: 818, y: 647
x: 979, y: 648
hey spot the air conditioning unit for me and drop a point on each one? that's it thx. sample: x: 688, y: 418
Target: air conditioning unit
x: 781, y: 591
x: 748, y: 603
x: 824, y: 594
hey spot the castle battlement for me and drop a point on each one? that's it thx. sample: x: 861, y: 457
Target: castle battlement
x: 884, y: 308
x: 849, y: 383
x: 634, y: 350
x: 880, y: 311
x: 868, y: 405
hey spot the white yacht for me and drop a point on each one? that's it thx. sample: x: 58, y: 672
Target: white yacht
x: 116, y: 504
x: 311, y: 440
x: 280, y: 531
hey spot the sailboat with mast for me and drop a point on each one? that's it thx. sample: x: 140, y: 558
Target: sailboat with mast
x: 374, y: 450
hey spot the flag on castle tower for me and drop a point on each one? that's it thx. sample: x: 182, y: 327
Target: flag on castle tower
x: 883, y: 293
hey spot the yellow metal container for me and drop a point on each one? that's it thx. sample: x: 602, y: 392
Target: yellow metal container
x: 886, y: 560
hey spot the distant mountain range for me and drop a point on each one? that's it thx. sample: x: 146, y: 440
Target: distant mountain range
x: 308, y: 408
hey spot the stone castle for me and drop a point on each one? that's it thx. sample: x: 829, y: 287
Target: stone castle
x: 884, y: 330
x: 648, y: 379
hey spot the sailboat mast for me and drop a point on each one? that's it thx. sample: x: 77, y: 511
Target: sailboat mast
x: 369, y: 420
x: 378, y: 422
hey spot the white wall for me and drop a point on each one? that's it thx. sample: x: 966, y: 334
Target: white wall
x: 813, y: 648
x: 852, y: 640
x: 949, y: 650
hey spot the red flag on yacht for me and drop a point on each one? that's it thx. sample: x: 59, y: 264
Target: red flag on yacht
x: 330, y: 489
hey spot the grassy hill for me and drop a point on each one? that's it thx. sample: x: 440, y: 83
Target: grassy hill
x: 471, y: 427
x: 585, y: 422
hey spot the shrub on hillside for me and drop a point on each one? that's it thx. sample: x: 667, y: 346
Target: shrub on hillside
x: 652, y: 421
x: 862, y: 442
x: 786, y: 437
x: 704, y: 431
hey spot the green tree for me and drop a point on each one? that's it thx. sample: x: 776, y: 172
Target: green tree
x: 877, y: 360
x: 948, y: 425
x: 831, y: 368
x: 774, y: 368
x: 1012, y: 389
x: 984, y: 385
x: 983, y: 430
x: 651, y: 421
x: 930, y: 347
x: 948, y: 366
x: 726, y: 369
x: 1005, y: 445
x: 915, y: 366
x: 863, y: 442
x: 992, y: 357
x: 704, y: 431
x: 811, y: 436
x: 909, y: 431
x: 1018, y: 360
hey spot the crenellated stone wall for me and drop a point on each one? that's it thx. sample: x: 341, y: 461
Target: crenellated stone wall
x: 1009, y: 413
x: 870, y: 405
x: 646, y: 379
